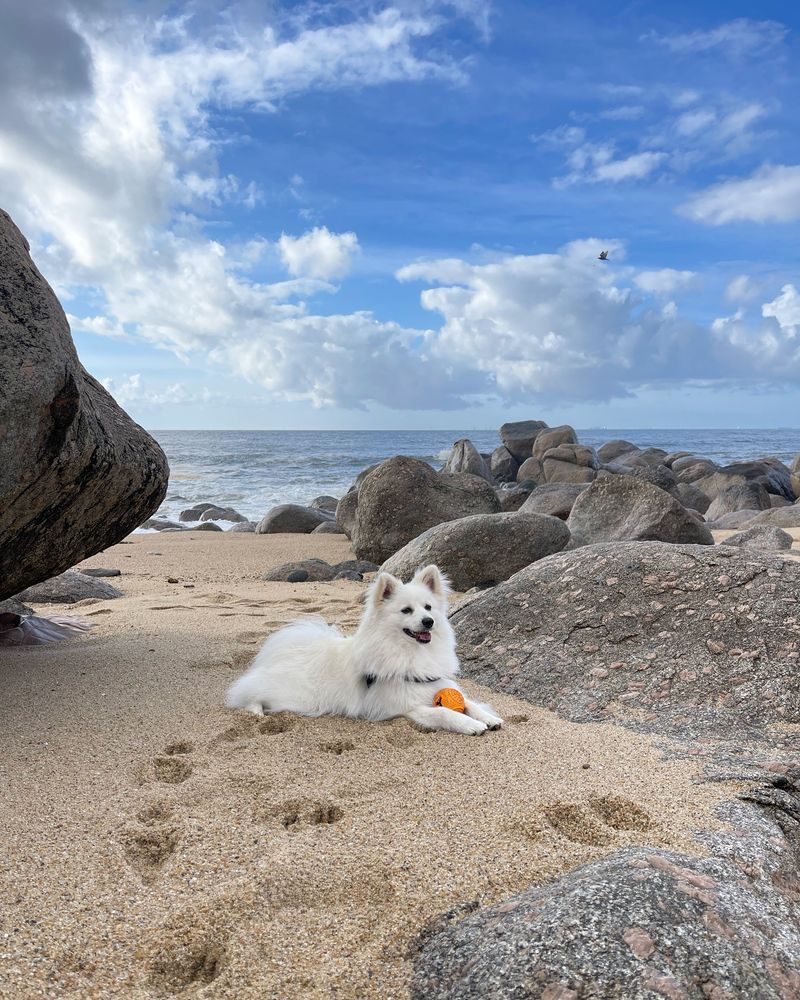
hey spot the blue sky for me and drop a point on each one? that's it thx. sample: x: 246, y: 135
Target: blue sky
x: 389, y: 215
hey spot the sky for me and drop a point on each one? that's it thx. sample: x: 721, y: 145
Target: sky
x: 373, y: 215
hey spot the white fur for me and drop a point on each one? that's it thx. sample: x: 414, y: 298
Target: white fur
x: 310, y: 668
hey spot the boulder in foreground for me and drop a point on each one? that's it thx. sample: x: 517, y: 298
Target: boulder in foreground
x: 77, y: 474
x: 69, y: 587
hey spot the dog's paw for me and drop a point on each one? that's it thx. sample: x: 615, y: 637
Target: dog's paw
x: 484, y: 714
x: 471, y: 727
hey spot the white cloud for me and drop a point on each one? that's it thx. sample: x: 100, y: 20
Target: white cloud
x: 663, y: 282
x: 741, y: 289
x: 785, y: 309
x: 623, y: 113
x: 318, y: 253
x: 692, y: 122
x: 591, y: 163
x: 739, y: 37
x: 772, y: 194
x: 132, y: 390
x: 100, y: 326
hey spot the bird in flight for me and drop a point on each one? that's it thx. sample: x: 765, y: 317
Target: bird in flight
x: 603, y: 255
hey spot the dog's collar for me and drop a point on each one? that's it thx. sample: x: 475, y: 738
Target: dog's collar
x: 369, y: 679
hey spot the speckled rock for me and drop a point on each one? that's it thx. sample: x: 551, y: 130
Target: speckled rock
x: 570, y: 463
x: 552, y: 437
x: 503, y: 465
x: 641, y: 923
x: 761, y: 536
x: 629, y: 509
x: 741, y: 496
x: 779, y: 517
x: 613, y: 449
x: 482, y: 549
x: 327, y: 528
x: 77, y: 474
x: 465, y: 457
x: 555, y: 499
x: 514, y: 498
x: 67, y: 588
x: 531, y: 470
x: 690, y: 639
x: 302, y: 571
x: 404, y: 496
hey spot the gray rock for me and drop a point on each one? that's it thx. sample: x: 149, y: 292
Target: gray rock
x: 291, y: 518
x: 482, y: 549
x: 675, y: 455
x: 776, y: 501
x: 552, y: 437
x: 555, y: 499
x: 689, y: 639
x: 624, y: 508
x: 690, y: 496
x: 303, y: 571
x: 612, y: 450
x: 222, y: 514
x: 349, y: 574
x: 513, y: 499
x: 691, y: 469
x: 207, y: 526
x: 532, y: 471
x: 772, y: 474
x: 404, y: 497
x: 326, y: 503
x: 77, y: 474
x: 465, y: 457
x: 658, y: 475
x: 99, y: 571
x: 67, y: 588
x: 193, y: 513
x: 243, y: 526
x: 741, y: 496
x: 570, y: 463
x: 736, y: 519
x: 346, y: 512
x: 162, y: 524
x: 327, y: 528
x: 518, y: 437
x: 640, y: 924
x: 14, y: 607
x: 780, y: 517
x: 356, y: 566
x: 645, y: 456
x: 503, y: 465
x: 761, y: 536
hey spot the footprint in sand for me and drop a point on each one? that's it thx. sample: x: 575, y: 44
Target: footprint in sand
x: 337, y: 747
x: 297, y: 814
x: 596, y: 823
x: 247, y: 726
x: 620, y: 813
x: 576, y: 824
x: 170, y: 767
x: 155, y: 837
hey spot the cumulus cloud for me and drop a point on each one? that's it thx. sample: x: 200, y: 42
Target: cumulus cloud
x: 771, y: 194
x: 318, y: 253
x: 130, y: 389
x: 785, y: 309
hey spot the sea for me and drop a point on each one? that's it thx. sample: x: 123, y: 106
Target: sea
x: 253, y: 471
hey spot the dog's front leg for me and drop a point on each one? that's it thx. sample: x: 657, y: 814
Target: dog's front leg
x: 483, y: 713
x: 445, y: 718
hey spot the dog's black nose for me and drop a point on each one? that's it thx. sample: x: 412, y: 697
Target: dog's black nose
x: 427, y: 622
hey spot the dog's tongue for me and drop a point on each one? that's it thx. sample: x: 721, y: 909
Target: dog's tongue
x: 423, y: 637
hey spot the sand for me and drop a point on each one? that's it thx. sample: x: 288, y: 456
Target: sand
x: 158, y: 845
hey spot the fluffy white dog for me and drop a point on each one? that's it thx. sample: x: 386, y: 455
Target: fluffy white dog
x: 403, y: 652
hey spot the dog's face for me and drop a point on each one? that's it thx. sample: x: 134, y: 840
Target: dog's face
x: 418, y: 610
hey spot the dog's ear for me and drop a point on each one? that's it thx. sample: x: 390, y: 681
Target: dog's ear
x: 383, y: 587
x: 432, y: 577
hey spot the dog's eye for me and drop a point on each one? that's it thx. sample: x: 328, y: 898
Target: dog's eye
x: 406, y: 611
x: 427, y: 607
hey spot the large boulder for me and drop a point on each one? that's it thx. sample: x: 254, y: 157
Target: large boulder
x: 570, y: 463
x: 771, y: 473
x: 624, y: 508
x: 513, y: 498
x: 736, y: 519
x: 404, y: 496
x: 222, y: 514
x: 482, y: 549
x: 691, y: 468
x: 740, y: 496
x: 552, y: 437
x: 779, y: 517
x: 68, y: 588
x: 692, y: 639
x: 519, y: 436
x: 346, y: 512
x: 612, y: 450
x: 531, y: 471
x: 555, y: 499
x: 503, y: 465
x: 643, y: 923
x: 291, y: 518
x: 193, y: 513
x: 658, y: 475
x: 465, y: 457
x: 76, y: 473
x: 690, y: 496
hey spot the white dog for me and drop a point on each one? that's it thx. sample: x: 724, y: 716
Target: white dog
x: 403, y: 652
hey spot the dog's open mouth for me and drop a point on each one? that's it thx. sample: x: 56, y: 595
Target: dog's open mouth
x: 422, y: 637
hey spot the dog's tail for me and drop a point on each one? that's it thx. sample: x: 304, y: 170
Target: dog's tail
x: 298, y: 635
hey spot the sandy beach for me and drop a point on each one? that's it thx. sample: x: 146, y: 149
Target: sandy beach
x: 157, y: 844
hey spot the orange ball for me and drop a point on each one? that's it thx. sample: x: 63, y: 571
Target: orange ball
x: 450, y: 698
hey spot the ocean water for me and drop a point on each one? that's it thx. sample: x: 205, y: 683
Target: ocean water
x: 252, y: 471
